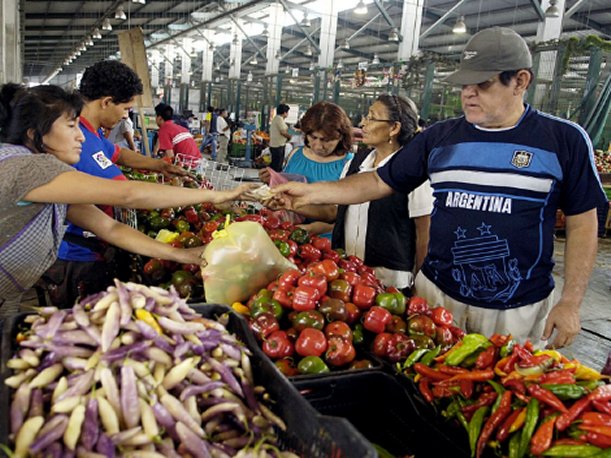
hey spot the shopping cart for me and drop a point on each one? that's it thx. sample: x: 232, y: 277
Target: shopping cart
x: 210, y: 174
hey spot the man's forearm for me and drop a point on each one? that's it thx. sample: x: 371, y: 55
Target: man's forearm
x: 134, y: 160
x: 579, y: 255
x: 354, y: 189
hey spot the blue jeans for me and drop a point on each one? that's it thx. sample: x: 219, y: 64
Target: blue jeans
x: 212, y: 140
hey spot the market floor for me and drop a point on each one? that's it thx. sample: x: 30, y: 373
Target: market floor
x: 593, y: 344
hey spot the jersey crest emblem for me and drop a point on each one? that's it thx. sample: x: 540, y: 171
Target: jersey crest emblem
x: 521, y: 159
x: 102, y: 160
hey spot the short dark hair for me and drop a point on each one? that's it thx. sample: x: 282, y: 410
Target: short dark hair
x: 282, y: 108
x: 110, y: 78
x: 506, y: 76
x: 330, y: 119
x: 404, y: 111
x: 35, y: 109
x: 165, y: 111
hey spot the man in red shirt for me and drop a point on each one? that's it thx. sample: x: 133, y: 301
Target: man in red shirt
x: 174, y: 139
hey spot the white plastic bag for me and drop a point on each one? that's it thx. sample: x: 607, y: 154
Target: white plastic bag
x: 240, y: 262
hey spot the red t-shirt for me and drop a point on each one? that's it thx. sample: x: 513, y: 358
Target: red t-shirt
x: 177, y: 138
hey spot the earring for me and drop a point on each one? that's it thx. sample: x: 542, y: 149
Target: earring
x: 389, y: 140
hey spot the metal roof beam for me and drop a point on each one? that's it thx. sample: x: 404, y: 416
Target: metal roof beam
x: 537, y: 7
x: 303, y: 30
x: 573, y: 9
x: 442, y: 19
x: 584, y: 19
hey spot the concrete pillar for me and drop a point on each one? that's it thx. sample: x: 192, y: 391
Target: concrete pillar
x: 155, y: 59
x: 411, y: 21
x: 328, y: 32
x: 235, y: 53
x: 207, y: 57
x: 10, y: 45
x: 549, y: 29
x: 274, y: 28
x: 170, y: 52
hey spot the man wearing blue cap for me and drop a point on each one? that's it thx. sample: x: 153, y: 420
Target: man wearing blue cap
x: 499, y: 174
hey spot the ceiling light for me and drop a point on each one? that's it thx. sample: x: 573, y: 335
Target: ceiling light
x: 120, y: 14
x: 142, y: 2
x: 305, y: 22
x: 340, y: 64
x: 278, y: 55
x: 235, y: 40
x: 265, y: 32
x: 211, y: 47
x: 346, y: 45
x: 308, y: 51
x: 218, y: 67
x: 82, y: 47
x: 460, y: 26
x: 96, y: 34
x: 287, y: 70
x: 312, y: 65
x: 254, y: 60
x: 375, y: 60
x: 552, y: 10
x: 360, y: 8
x: 106, y: 25
x: 249, y: 77
x: 393, y: 35
x: 77, y: 53
x: 89, y: 41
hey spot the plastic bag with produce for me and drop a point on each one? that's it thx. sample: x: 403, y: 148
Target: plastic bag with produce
x: 276, y: 179
x: 240, y: 260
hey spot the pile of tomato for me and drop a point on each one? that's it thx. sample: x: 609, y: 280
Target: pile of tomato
x: 517, y: 401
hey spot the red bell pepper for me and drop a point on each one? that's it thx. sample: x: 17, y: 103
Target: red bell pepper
x: 316, y: 281
x: 326, y: 268
x: 370, y: 279
x: 542, y: 438
x: 311, y: 342
x: 376, y: 319
x: 264, y: 324
x: 279, y: 234
x: 309, y: 253
x: 363, y: 296
x: 547, y: 397
x: 322, y: 243
x: 332, y: 255
x: 289, y: 278
x: 278, y: 345
x: 399, y: 347
x: 284, y: 295
x: 340, y: 289
x: 304, y: 298
x: 442, y: 316
x: 380, y: 344
x: 351, y: 277
x: 333, y: 309
x: 417, y: 306
x: 338, y: 328
x: 358, y: 262
x: 353, y: 313
x: 287, y: 367
x: 307, y: 319
x: 340, y: 351
x: 293, y: 248
x: 347, y: 266
x: 397, y: 324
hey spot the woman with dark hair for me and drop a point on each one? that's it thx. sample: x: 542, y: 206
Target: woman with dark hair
x: 41, y: 138
x: 327, y: 133
x: 390, y: 234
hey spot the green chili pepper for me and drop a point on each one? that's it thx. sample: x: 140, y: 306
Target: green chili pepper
x: 414, y: 357
x: 357, y: 334
x: 499, y: 391
x: 532, y: 415
x: 462, y: 420
x: 570, y: 451
x: 427, y: 359
x: 507, y: 348
x: 566, y: 391
x: 590, y: 385
x: 470, y: 344
x: 603, y: 454
x: 475, y: 426
x: 514, y: 445
x: 470, y: 360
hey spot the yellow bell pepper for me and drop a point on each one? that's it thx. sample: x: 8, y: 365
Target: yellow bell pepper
x: 166, y: 236
x: 148, y: 318
x: 587, y: 373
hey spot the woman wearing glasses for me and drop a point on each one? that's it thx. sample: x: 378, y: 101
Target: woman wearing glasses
x: 390, y: 234
x: 327, y: 133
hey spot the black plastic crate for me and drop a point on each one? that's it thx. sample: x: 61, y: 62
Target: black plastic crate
x: 384, y: 412
x: 308, y: 434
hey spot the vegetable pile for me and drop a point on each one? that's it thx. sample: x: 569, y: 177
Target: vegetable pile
x: 135, y: 372
x: 518, y: 401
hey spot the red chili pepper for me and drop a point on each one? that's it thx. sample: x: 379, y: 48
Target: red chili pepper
x: 432, y: 374
x: 486, y: 358
x: 503, y: 432
x: 499, y: 340
x: 425, y: 389
x: 376, y: 319
x: 304, y: 298
x: 473, y: 376
x: 547, y: 397
x: 443, y: 391
x: 598, y: 429
x: 363, y: 296
x: 602, y: 393
x: 602, y: 406
x: 596, y: 419
x: 528, y: 345
x: 542, y: 438
x: 515, y: 384
x: 451, y: 370
x: 600, y: 440
x: 576, y: 409
x: 485, y: 399
x: 557, y: 377
x: 466, y: 388
x: 493, y: 422
x: 568, y: 441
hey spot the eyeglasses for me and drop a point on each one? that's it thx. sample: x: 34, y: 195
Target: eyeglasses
x: 369, y: 118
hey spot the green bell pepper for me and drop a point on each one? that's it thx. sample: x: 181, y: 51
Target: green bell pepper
x: 470, y: 344
x: 300, y: 236
x: 266, y: 304
x: 393, y: 302
x: 312, y: 365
